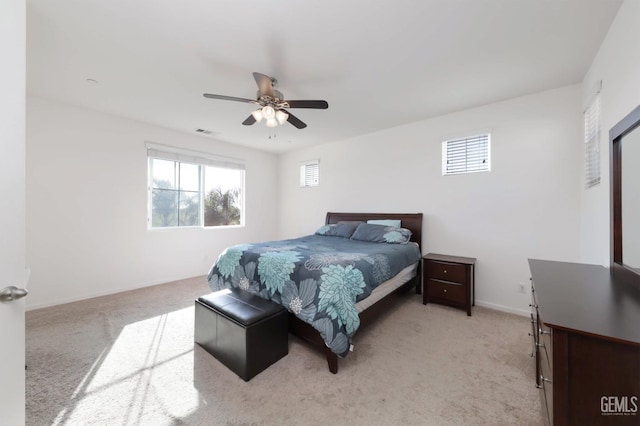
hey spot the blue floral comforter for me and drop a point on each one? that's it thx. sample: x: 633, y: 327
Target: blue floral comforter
x: 318, y: 278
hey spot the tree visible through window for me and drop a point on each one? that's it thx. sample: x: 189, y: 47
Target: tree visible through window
x: 222, y: 204
x: 186, y: 194
x: 175, y: 194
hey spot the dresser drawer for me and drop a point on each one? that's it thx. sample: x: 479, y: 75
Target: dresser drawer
x: 544, y: 375
x: 534, y: 298
x: 546, y: 397
x: 446, y: 290
x: 547, y: 342
x: 546, y: 381
x: 453, y: 272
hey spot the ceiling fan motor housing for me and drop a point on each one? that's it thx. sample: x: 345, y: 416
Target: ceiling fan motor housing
x: 277, y: 96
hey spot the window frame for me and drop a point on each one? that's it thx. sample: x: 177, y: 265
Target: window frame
x: 303, y: 173
x: 241, y: 200
x: 592, y: 126
x: 466, y: 139
x: 202, y: 160
x: 150, y: 189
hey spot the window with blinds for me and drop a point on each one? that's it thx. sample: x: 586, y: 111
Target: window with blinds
x: 310, y: 173
x: 592, y: 143
x: 466, y: 155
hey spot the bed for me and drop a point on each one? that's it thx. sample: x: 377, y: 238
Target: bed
x: 334, y: 282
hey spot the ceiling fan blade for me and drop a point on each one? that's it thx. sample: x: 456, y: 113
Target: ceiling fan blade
x: 249, y: 121
x: 308, y: 104
x: 295, y: 121
x: 226, y: 98
x: 264, y: 83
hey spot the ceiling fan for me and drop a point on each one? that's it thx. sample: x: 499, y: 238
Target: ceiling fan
x: 272, y: 104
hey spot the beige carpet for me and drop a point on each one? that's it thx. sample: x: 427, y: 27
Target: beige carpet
x: 129, y: 359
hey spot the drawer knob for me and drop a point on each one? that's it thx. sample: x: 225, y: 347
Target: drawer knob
x: 538, y: 386
x: 445, y: 271
x: 533, y: 306
x: 544, y: 379
x: 445, y: 290
x: 541, y: 331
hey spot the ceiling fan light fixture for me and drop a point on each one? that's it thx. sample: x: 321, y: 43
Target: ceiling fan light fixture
x: 268, y: 112
x: 281, y: 116
x: 272, y: 122
x: 257, y: 114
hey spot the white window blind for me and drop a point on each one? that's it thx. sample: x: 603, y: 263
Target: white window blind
x: 466, y: 155
x: 592, y: 143
x: 310, y: 173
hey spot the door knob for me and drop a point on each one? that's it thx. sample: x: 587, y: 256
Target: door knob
x: 11, y: 293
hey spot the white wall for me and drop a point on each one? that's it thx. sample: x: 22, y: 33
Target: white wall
x: 617, y: 65
x: 526, y: 207
x: 87, y: 206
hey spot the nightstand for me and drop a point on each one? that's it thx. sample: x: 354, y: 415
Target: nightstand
x: 448, y: 280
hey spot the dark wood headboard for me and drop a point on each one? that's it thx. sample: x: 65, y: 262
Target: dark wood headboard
x: 411, y: 221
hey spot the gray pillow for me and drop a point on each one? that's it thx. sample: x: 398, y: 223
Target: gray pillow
x: 381, y: 234
x: 343, y: 230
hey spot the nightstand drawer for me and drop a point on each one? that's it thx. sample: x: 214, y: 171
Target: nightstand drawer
x: 448, y: 280
x: 453, y: 272
x: 447, y: 290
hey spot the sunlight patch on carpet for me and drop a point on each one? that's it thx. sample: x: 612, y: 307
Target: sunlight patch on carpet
x: 146, y: 366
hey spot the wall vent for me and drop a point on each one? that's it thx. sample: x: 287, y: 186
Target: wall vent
x: 203, y: 131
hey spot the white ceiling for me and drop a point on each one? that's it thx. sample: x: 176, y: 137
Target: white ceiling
x: 379, y: 64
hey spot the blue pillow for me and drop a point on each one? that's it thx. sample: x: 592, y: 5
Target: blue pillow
x: 343, y: 230
x: 381, y: 234
x: 386, y: 222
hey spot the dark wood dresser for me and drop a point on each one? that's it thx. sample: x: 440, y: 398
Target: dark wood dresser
x: 586, y: 343
x: 448, y: 280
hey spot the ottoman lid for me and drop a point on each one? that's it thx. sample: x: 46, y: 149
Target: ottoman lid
x: 244, y: 307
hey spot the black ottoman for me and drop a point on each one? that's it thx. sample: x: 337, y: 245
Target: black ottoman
x: 244, y: 332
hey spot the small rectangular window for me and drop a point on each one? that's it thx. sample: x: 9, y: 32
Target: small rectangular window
x: 310, y: 173
x: 190, y: 188
x: 466, y: 155
x: 592, y: 143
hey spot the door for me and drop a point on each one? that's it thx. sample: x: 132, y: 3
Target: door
x: 12, y: 207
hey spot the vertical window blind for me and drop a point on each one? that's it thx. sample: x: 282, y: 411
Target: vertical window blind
x: 466, y: 155
x: 592, y: 143
x: 310, y: 173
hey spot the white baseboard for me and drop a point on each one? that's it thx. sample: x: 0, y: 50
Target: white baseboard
x: 521, y: 312
x: 114, y: 290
